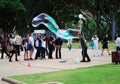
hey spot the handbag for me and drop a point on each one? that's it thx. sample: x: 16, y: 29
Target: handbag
x: 91, y: 43
x: 10, y: 48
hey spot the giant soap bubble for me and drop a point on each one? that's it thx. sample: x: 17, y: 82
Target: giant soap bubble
x: 51, y: 24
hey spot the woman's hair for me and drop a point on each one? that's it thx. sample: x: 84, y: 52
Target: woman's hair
x: 10, y: 35
x: 118, y: 35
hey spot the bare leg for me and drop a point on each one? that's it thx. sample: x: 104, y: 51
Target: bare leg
x: 31, y: 52
x: 108, y: 51
x: 102, y: 51
x: 26, y: 54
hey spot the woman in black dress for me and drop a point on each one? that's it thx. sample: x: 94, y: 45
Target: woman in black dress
x: 105, y: 44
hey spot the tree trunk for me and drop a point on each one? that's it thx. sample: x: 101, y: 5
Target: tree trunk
x: 114, y: 24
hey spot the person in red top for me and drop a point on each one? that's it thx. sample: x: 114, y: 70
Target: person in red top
x: 4, y: 44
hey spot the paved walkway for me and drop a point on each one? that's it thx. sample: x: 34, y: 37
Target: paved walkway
x: 49, y: 65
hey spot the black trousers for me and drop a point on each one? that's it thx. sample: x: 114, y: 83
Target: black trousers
x: 43, y: 52
x: 12, y: 53
x: 117, y: 49
x: 50, y: 52
x: 84, y: 54
x: 58, y: 52
x: 4, y: 51
x: 46, y: 51
x: 18, y: 49
x: 39, y: 52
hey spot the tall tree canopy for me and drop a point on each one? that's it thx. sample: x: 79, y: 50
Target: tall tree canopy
x: 102, y: 16
x: 8, y: 11
x: 105, y: 11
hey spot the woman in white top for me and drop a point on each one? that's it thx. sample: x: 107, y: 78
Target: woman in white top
x: 31, y: 45
x: 43, y: 47
x: 118, y: 43
x: 69, y: 43
x: 95, y: 47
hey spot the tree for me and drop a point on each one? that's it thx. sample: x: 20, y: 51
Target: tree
x: 105, y: 11
x: 9, y: 10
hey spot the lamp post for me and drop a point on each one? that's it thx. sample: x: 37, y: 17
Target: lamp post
x: 28, y: 28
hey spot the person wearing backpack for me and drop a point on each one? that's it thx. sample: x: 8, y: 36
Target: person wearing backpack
x: 38, y: 46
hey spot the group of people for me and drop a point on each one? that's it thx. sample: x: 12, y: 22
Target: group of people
x: 10, y: 45
x: 94, y: 44
x: 95, y: 39
x: 45, y: 45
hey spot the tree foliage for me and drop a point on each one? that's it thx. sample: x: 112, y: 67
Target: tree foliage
x: 102, y: 16
x: 8, y: 10
x: 105, y: 11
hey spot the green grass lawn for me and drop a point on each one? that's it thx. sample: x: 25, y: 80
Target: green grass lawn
x: 103, y: 74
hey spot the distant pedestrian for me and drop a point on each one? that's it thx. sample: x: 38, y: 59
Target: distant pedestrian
x: 31, y: 45
x: 46, y: 46
x: 58, y: 45
x: 18, y: 42
x: 69, y: 44
x: 118, y: 43
x: 38, y: 46
x: 43, y: 47
x: 4, y: 43
x: 105, y: 44
x: 25, y: 45
x: 84, y: 49
x: 95, y: 40
x: 50, y: 46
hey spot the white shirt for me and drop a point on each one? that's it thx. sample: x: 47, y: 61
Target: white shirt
x: 37, y: 43
x: 95, y: 40
x: 18, y: 40
x: 43, y: 43
x: 69, y: 41
x: 118, y: 41
x: 12, y: 41
x: 31, y: 40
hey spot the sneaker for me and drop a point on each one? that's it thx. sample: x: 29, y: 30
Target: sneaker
x: 25, y: 59
x: 10, y: 61
x: 17, y: 60
x: 35, y: 58
x: 82, y: 61
x: 31, y: 58
x: 1, y: 58
x: 88, y: 61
